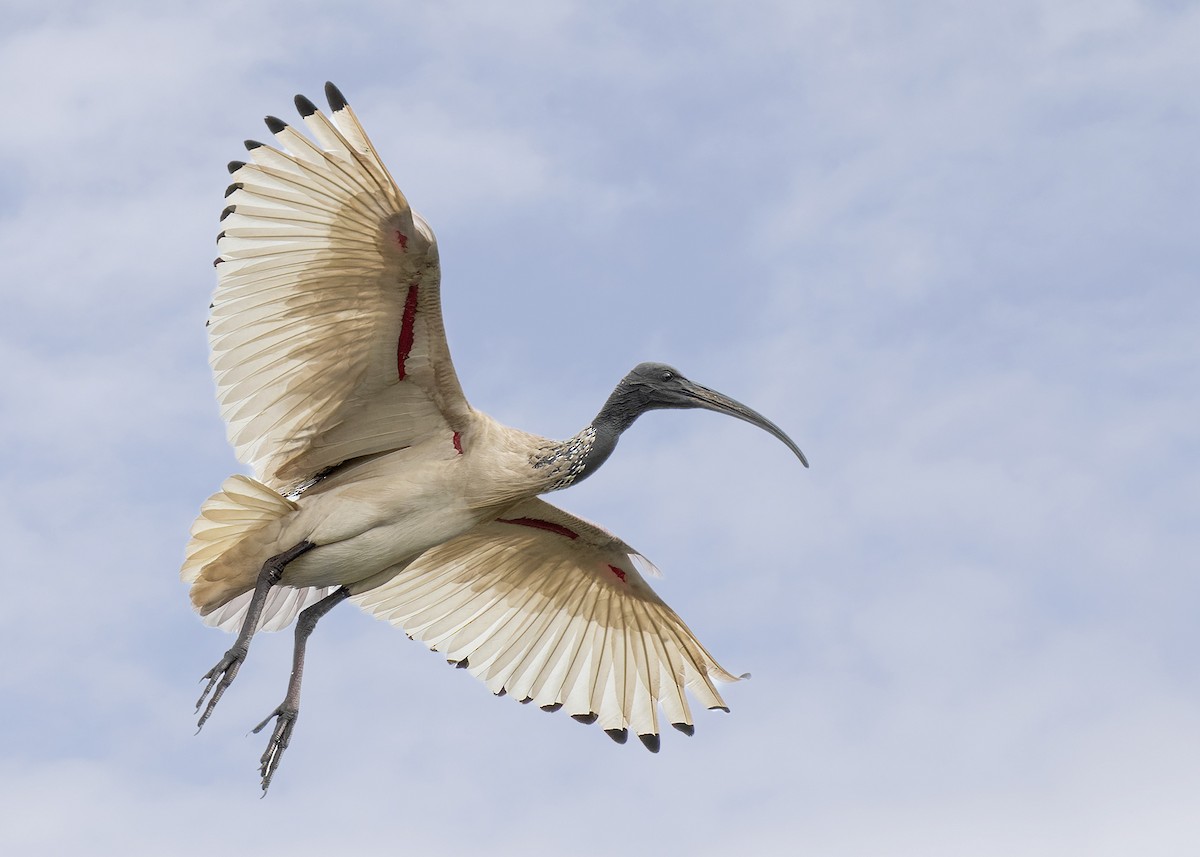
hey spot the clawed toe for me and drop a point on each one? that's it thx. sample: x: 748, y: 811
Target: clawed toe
x: 219, y: 678
x: 285, y: 722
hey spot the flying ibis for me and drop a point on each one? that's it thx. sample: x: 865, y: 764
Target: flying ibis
x: 377, y: 483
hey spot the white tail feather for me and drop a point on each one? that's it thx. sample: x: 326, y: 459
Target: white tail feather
x: 226, y: 552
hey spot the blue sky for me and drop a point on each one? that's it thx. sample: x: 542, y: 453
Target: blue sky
x: 950, y: 247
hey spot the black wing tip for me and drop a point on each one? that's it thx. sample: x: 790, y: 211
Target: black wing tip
x: 686, y: 728
x: 229, y: 209
x: 618, y: 735
x: 552, y: 707
x: 586, y: 719
x: 234, y: 166
x: 337, y: 101
x: 305, y: 106
x: 275, y: 124
x: 650, y: 742
x: 251, y: 145
x: 233, y: 187
x: 724, y: 708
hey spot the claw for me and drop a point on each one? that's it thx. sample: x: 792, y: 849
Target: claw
x: 280, y: 738
x: 219, y: 677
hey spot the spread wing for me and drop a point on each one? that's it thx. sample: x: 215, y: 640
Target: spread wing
x: 326, y: 326
x: 551, y: 609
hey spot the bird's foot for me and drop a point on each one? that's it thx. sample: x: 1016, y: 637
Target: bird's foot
x: 285, y: 721
x: 219, y: 678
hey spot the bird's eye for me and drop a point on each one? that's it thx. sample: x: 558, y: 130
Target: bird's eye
x: 667, y: 376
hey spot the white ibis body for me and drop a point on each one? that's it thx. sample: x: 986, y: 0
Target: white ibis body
x: 375, y: 480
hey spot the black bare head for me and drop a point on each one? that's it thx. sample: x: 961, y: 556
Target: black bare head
x: 654, y: 386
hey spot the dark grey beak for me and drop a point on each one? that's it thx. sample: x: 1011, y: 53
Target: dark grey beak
x: 702, y: 397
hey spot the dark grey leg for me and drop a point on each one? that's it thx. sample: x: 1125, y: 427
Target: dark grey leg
x: 222, y: 675
x: 288, y: 710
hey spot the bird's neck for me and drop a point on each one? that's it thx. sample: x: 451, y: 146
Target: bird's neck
x: 624, y: 405
x: 576, y: 458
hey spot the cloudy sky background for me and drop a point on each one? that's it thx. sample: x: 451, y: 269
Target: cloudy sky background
x: 950, y: 247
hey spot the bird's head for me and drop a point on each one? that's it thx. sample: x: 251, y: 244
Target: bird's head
x: 654, y: 386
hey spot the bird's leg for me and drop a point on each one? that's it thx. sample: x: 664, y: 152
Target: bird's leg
x: 288, y: 710
x: 222, y: 675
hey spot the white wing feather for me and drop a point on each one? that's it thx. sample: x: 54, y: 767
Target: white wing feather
x: 551, y: 609
x: 326, y: 327
x: 283, y: 604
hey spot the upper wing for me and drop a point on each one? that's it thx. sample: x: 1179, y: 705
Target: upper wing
x: 549, y: 608
x: 326, y: 327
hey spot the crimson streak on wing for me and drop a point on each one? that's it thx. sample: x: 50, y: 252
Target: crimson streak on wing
x: 405, y: 344
x: 539, y: 524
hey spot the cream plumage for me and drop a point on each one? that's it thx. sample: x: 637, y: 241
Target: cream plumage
x: 375, y: 480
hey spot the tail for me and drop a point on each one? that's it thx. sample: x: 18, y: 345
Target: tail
x: 230, y: 540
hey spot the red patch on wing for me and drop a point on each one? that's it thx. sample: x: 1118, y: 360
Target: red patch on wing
x: 404, y: 346
x: 620, y: 574
x: 458, y: 442
x: 402, y: 240
x: 539, y: 524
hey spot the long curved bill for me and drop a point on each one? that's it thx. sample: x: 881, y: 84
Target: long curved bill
x: 713, y: 401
